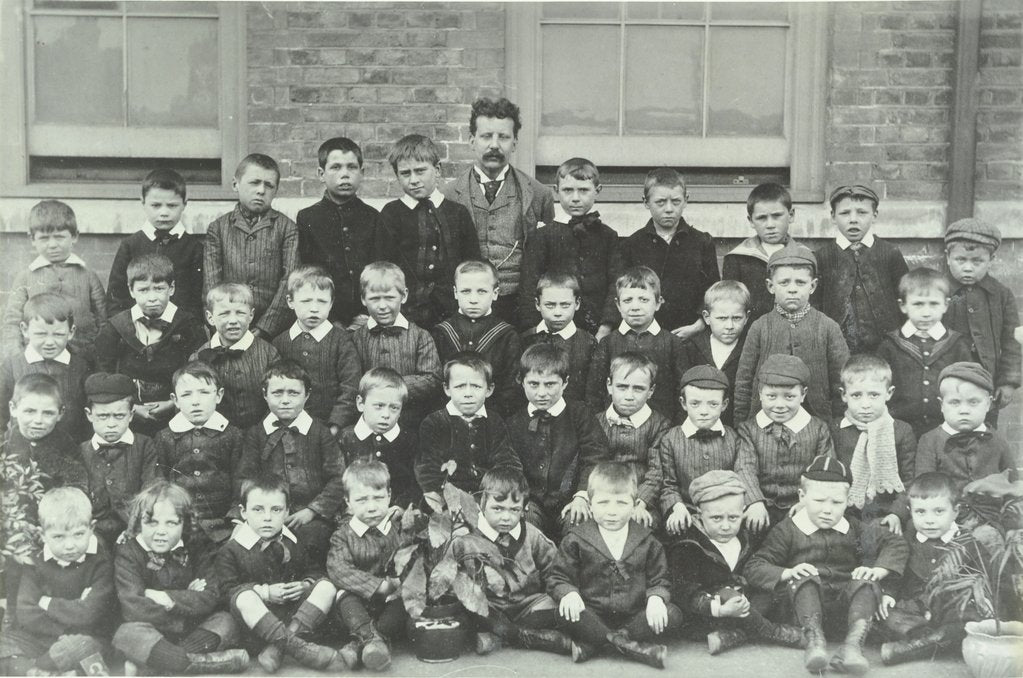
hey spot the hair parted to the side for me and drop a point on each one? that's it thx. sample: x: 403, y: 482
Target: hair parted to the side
x: 863, y: 365
x: 414, y: 148
x: 235, y: 293
x: 503, y: 483
x: 382, y: 276
x: 382, y: 377
x: 768, y: 193
x: 52, y: 216
x: 629, y: 362
x: 923, y: 281
x: 287, y: 369
x: 612, y: 476
x: 64, y: 507
x: 580, y: 169
x: 38, y: 384
x: 544, y: 358
x: 343, y: 144
x: 48, y: 307
x: 726, y: 290
x: 476, y: 266
x: 141, y: 507
x: 495, y: 108
x: 313, y: 276
x: 152, y: 267
x: 641, y: 277
x: 167, y: 179
x: 557, y: 279
x: 259, y: 160
x: 197, y: 370
x: 472, y: 360
x: 933, y: 484
x: 264, y: 482
x: 665, y: 177
x: 369, y: 472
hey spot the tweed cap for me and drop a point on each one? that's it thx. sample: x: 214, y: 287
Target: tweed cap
x: 781, y: 369
x: 973, y: 230
x: 714, y: 485
x: 853, y: 191
x: 705, y: 376
x: 828, y: 469
x: 103, y: 387
x: 971, y: 372
x: 793, y: 254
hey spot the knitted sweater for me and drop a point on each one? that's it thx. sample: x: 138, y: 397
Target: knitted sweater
x: 242, y: 379
x: 476, y: 447
x: 816, y: 340
x: 699, y: 570
x: 580, y: 347
x: 683, y: 459
x: 184, y: 251
x: 496, y: 342
x: 261, y: 256
x: 697, y: 351
x: 608, y: 586
x: 358, y: 565
x: 664, y: 348
x: 397, y: 455
x: 342, y: 239
x: 203, y: 461
x: 638, y: 447
x: 986, y: 314
x: 589, y: 252
x: 333, y: 365
x: 70, y: 380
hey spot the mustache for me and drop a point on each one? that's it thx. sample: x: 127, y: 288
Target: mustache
x: 493, y: 155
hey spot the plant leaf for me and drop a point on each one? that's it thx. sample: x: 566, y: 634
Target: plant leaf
x: 413, y: 589
x: 440, y: 528
x: 461, y: 504
x: 495, y: 580
x: 442, y: 576
x: 402, y: 557
x: 470, y: 594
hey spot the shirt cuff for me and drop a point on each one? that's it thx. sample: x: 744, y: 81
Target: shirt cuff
x: 715, y: 606
x: 263, y: 591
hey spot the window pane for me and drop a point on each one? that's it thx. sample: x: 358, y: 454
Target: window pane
x: 78, y: 75
x: 173, y: 73
x: 663, y: 80
x: 97, y: 5
x: 749, y: 11
x: 580, y: 80
x: 747, y: 82
x: 171, y: 7
x: 580, y: 10
x: 674, y: 11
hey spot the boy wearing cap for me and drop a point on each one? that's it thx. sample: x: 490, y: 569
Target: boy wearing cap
x: 701, y: 444
x: 964, y: 446
x: 821, y: 563
x: 777, y: 444
x: 794, y: 328
x: 859, y: 272
x: 119, y: 462
x: 982, y: 308
x: 707, y: 564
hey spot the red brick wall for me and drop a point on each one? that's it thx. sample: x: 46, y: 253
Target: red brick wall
x: 1000, y: 107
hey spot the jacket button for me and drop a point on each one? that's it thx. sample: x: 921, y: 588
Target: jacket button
x: 195, y: 451
x: 196, y: 472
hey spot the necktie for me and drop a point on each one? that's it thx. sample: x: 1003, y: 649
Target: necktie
x: 158, y: 324
x: 490, y: 190
x: 856, y: 246
x: 966, y: 442
x: 215, y: 354
x: 163, y: 237
x: 386, y: 330
x: 706, y: 434
x: 581, y: 224
x: 537, y: 417
x: 281, y: 425
x: 781, y: 433
x: 104, y: 447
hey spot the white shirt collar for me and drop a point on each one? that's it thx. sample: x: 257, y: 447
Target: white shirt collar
x: 145, y: 547
x: 730, y: 551
x: 566, y: 332
x: 615, y: 541
x: 561, y: 216
x: 554, y: 410
x: 242, y: 344
x: 179, y: 424
x: 845, y: 243
x: 363, y: 431
x: 128, y: 439
x: 690, y: 429
x: 247, y: 537
x: 937, y: 330
x: 654, y: 328
x: 795, y: 424
x: 90, y: 550
x: 949, y: 535
x: 167, y: 315
x: 637, y: 419
x: 317, y: 333
x: 32, y: 356
x: 436, y: 198
x: 801, y: 519
x: 401, y: 321
x: 42, y: 262
x: 484, y: 179
x: 951, y: 431
x: 462, y: 313
x: 360, y: 528
x: 720, y: 351
x: 302, y: 423
x: 150, y: 231
x: 490, y: 533
x: 453, y: 411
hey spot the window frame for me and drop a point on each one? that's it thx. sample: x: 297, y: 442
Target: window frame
x: 15, y: 81
x: 804, y: 115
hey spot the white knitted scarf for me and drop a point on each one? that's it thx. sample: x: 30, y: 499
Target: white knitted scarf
x: 874, y: 466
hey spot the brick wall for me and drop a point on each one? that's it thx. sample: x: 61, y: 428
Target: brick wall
x: 1000, y: 106
x: 372, y: 71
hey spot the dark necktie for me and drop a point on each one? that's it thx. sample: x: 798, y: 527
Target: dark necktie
x: 163, y: 237
x: 158, y: 324
x: 537, y: 417
x: 215, y: 354
x: 109, y: 447
x: 581, y: 224
x: 386, y: 330
x: 490, y: 190
x: 781, y: 433
x: 706, y: 434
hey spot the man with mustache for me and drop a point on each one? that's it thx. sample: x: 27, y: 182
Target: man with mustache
x: 505, y: 203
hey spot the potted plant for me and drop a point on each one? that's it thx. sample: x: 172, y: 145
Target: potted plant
x: 983, y: 572
x: 21, y: 486
x: 437, y: 583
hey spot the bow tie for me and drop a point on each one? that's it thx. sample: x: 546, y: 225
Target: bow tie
x: 616, y: 420
x: 706, y: 434
x: 538, y: 416
x: 966, y: 440
x: 112, y: 446
x: 157, y: 561
x: 586, y: 221
x: 280, y: 425
x: 158, y: 324
x: 781, y: 432
x: 164, y: 237
x: 491, y: 188
x: 214, y: 354
x: 386, y: 330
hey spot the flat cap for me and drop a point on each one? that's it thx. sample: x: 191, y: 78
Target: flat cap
x: 971, y: 372
x: 828, y: 469
x: 973, y: 230
x: 793, y: 254
x: 714, y: 485
x: 705, y: 376
x: 103, y: 387
x: 853, y: 191
x: 781, y: 369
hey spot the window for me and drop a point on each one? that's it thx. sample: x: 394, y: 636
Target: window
x: 731, y: 93
x: 113, y: 88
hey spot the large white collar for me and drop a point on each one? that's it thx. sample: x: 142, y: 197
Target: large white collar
x: 400, y: 321
x: 242, y: 344
x: 949, y: 535
x: 317, y: 333
x: 179, y: 424
x: 554, y: 410
x: 128, y: 439
x: 360, y: 528
x: 490, y: 533
x: 247, y: 537
x: 362, y: 431
x: 302, y: 423
x: 484, y: 179
x: 436, y: 198
x: 654, y: 328
x: 42, y: 262
x: 951, y: 431
x: 167, y: 315
x: 637, y: 419
x: 453, y: 411
x: 566, y: 332
x: 32, y: 356
x: 937, y: 330
x: 150, y: 231
x: 795, y: 424
x: 690, y: 429
x: 145, y: 547
x: 801, y: 519
x: 845, y: 243
x: 91, y: 549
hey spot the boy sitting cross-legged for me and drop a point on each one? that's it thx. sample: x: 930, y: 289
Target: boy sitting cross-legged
x: 707, y: 564
x: 821, y: 563
x: 611, y: 578
x: 523, y: 615
x: 271, y: 584
x: 168, y: 602
x: 369, y: 604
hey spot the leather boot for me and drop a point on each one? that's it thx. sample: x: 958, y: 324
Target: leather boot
x: 923, y: 647
x: 650, y: 654
x: 272, y: 655
x: 545, y: 641
x: 375, y: 655
x: 315, y: 656
x: 815, y: 658
x: 487, y: 643
x: 779, y: 634
x: 582, y: 652
x: 725, y: 639
x: 849, y: 658
x: 228, y: 661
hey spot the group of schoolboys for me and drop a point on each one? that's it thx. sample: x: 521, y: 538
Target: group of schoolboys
x: 654, y: 449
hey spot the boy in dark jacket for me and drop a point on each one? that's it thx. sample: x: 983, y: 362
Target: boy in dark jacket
x: 610, y: 577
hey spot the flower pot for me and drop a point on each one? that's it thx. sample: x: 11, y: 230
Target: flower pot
x: 439, y: 635
x: 990, y: 654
